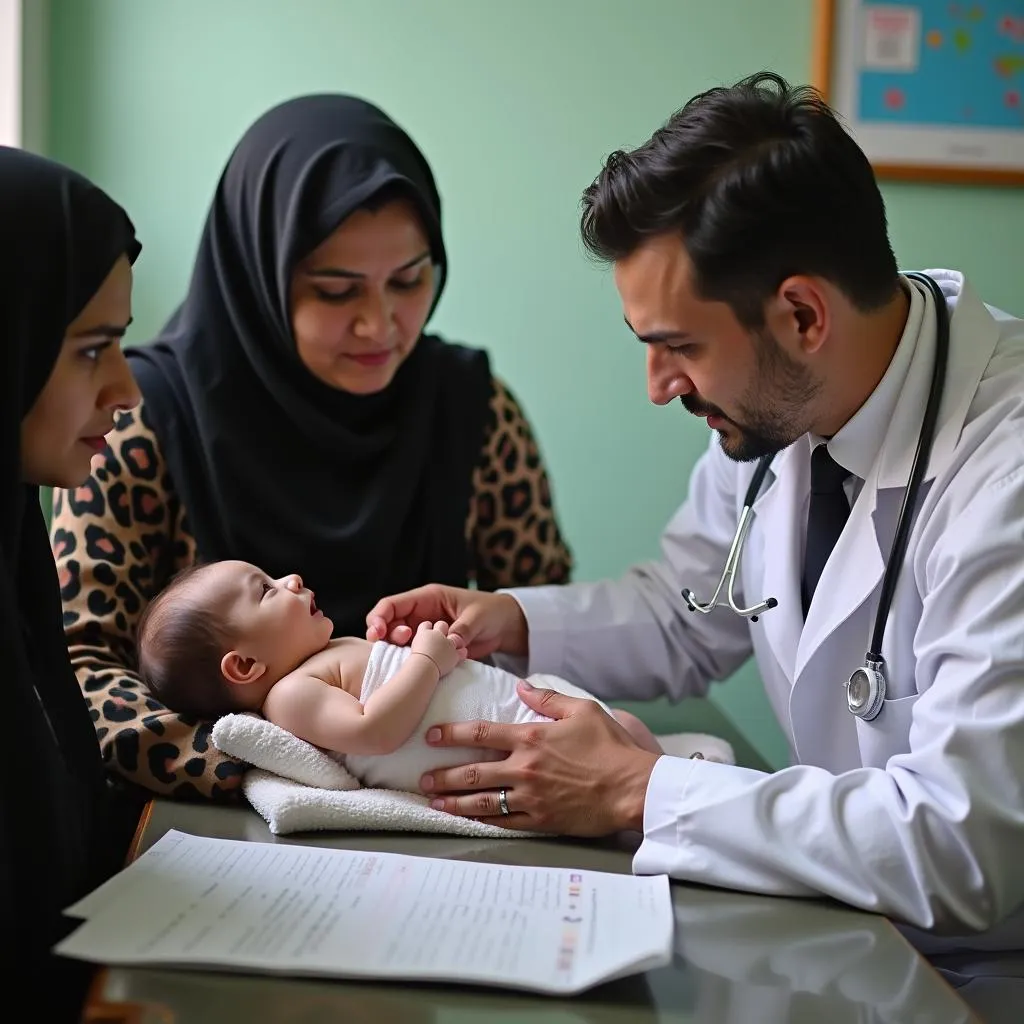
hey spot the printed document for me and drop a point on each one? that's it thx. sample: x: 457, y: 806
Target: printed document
x: 224, y: 904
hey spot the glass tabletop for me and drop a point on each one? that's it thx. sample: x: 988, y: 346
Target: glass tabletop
x: 738, y: 958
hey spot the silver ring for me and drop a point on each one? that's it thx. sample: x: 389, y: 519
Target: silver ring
x: 503, y: 801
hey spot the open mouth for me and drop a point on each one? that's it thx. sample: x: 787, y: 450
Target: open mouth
x: 312, y: 605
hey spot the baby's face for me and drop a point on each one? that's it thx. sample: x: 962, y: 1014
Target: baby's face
x: 273, y: 621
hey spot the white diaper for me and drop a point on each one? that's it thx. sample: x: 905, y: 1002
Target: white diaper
x: 471, y: 691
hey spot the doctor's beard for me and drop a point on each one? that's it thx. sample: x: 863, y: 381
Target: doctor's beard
x: 774, y: 410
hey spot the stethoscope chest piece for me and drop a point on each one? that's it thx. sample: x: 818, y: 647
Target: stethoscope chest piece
x: 865, y: 691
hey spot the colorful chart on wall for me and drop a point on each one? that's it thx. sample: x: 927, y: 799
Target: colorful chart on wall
x: 929, y: 88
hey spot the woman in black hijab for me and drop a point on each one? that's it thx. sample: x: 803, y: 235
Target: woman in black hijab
x: 296, y: 415
x: 65, y: 296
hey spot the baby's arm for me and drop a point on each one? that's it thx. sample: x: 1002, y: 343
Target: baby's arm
x: 330, y: 717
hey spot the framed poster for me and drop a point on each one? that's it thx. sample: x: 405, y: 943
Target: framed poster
x: 931, y: 90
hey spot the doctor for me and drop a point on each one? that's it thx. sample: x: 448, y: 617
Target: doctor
x: 749, y: 245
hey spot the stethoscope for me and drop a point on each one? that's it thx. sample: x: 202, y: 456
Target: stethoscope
x: 865, y: 689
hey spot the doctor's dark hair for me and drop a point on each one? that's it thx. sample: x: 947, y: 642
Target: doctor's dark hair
x: 762, y: 181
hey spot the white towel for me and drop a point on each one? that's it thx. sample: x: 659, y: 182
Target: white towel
x: 297, y: 787
x: 292, y: 807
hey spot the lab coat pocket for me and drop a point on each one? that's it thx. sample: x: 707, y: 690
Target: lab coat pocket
x: 888, y: 734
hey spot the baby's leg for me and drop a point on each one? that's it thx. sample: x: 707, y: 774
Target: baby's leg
x: 638, y: 732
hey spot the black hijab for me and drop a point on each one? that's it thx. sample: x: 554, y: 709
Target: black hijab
x: 362, y: 495
x: 60, y: 236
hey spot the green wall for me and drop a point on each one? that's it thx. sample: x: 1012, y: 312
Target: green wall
x: 515, y: 106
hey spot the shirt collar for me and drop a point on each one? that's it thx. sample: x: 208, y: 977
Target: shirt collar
x: 857, y: 444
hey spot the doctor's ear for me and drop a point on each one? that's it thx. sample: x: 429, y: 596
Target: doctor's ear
x: 236, y: 668
x: 799, y: 315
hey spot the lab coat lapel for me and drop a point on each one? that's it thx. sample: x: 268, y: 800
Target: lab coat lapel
x: 835, y: 638
x: 851, y: 574
x: 839, y: 623
x: 857, y: 563
x: 781, y: 504
x: 838, y: 629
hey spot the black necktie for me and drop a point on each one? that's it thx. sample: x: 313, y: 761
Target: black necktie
x: 825, y: 519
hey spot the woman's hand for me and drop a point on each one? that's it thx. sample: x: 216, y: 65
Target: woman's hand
x: 481, y: 622
x: 581, y: 775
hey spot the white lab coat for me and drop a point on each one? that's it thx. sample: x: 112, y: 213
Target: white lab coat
x: 918, y: 814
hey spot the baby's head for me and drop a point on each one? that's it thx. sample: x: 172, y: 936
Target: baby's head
x: 219, y: 636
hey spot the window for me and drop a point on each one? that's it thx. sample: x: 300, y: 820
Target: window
x: 24, y: 48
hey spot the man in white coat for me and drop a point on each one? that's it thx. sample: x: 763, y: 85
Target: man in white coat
x: 750, y: 251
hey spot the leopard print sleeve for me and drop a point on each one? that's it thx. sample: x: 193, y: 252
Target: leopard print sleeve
x: 514, y: 537
x: 117, y: 539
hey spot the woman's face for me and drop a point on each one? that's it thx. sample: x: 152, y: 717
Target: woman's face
x: 360, y: 299
x: 90, y: 381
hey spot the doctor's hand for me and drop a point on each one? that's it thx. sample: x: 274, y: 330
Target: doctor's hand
x: 581, y: 775
x: 484, y: 623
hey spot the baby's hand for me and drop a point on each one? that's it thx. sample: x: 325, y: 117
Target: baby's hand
x: 433, y: 641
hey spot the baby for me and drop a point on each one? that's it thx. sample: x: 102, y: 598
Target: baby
x: 225, y: 637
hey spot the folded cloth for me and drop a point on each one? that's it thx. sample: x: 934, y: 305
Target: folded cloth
x: 297, y: 787
x: 254, y: 740
x: 293, y: 807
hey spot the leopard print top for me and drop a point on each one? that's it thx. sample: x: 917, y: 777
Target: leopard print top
x: 119, y: 537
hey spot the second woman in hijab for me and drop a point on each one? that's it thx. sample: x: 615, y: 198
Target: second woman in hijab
x: 66, y: 251
x: 296, y: 415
